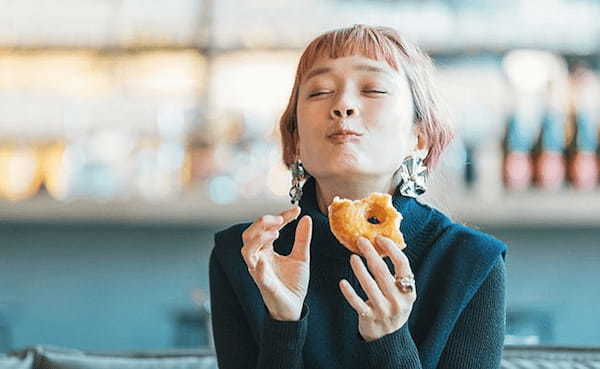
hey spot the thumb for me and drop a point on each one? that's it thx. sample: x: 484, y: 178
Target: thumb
x: 301, y: 249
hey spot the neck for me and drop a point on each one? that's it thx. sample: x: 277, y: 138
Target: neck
x: 328, y: 188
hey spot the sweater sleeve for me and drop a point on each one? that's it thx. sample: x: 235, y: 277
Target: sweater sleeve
x: 283, y: 342
x: 475, y: 342
x: 393, y: 351
x: 281, y: 345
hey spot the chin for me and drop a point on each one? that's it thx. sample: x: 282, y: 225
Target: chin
x: 340, y: 170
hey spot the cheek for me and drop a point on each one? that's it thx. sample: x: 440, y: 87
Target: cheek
x: 308, y: 135
x: 392, y: 131
x: 305, y: 114
x: 391, y: 124
x: 310, y: 122
x: 309, y: 111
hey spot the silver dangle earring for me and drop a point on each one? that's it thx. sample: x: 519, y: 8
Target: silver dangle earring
x: 413, y: 176
x: 298, y: 175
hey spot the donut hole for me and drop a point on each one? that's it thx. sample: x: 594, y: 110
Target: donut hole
x: 373, y: 220
x: 376, y: 215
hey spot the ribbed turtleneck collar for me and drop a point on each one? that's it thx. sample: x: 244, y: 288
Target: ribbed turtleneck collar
x: 418, y: 225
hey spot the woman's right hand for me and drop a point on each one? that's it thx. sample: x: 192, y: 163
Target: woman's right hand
x: 282, y: 280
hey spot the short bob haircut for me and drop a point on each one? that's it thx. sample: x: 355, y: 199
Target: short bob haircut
x: 378, y: 43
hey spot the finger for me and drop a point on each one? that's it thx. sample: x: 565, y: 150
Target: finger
x: 269, y: 220
x: 252, y: 247
x: 263, y: 232
x: 353, y: 299
x: 289, y: 215
x: 399, y: 258
x: 275, y: 222
x: 383, y: 276
x: 301, y: 249
x: 263, y: 237
x: 266, y: 239
x: 259, y: 226
x: 367, y: 282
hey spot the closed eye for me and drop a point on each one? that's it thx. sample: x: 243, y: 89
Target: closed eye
x: 366, y: 91
x: 318, y: 93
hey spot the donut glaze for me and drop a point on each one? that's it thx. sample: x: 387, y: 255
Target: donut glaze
x: 374, y: 215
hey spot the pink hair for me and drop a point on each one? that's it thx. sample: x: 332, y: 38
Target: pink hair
x: 378, y: 43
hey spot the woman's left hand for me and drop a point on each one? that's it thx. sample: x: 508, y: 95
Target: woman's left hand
x: 388, y: 307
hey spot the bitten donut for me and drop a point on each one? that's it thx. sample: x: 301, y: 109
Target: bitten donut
x: 374, y: 215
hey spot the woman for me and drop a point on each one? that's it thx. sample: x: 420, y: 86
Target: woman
x: 363, y: 117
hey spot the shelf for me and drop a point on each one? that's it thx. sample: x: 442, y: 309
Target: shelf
x: 531, y: 209
x: 175, y: 212
x: 566, y: 27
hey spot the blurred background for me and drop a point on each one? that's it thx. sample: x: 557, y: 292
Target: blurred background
x: 132, y: 130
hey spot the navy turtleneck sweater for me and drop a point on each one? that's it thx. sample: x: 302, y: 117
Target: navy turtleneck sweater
x: 457, y: 321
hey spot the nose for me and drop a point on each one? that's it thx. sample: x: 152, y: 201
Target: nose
x: 344, y: 108
x: 343, y: 112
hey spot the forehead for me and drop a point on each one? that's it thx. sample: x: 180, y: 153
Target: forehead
x: 353, y: 63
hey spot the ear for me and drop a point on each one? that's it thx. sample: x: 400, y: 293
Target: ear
x: 422, y: 144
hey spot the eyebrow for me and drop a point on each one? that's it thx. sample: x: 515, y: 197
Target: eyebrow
x: 360, y: 67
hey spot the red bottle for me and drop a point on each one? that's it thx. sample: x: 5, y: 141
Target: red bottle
x: 517, y: 171
x: 549, y: 161
x: 583, y: 165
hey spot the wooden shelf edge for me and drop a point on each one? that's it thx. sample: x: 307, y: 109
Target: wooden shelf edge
x: 518, y: 210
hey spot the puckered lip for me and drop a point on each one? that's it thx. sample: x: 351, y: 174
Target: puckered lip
x: 344, y: 132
